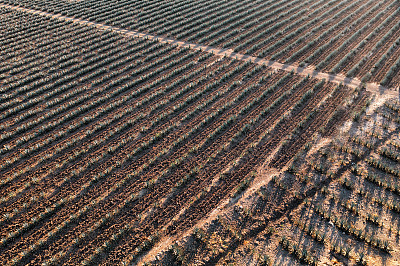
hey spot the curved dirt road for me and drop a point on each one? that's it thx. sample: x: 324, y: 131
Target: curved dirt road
x: 374, y: 88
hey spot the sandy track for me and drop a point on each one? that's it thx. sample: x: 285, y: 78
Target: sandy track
x: 374, y: 88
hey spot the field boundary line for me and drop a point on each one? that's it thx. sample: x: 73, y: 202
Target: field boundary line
x: 373, y: 88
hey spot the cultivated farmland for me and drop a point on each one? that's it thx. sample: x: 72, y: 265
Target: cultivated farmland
x: 338, y: 203
x: 134, y: 132
x: 356, y: 38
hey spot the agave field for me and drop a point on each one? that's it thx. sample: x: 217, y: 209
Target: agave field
x: 355, y: 38
x: 352, y: 206
x: 338, y: 204
x: 118, y: 150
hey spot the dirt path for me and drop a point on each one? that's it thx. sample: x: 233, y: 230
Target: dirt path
x: 374, y: 88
